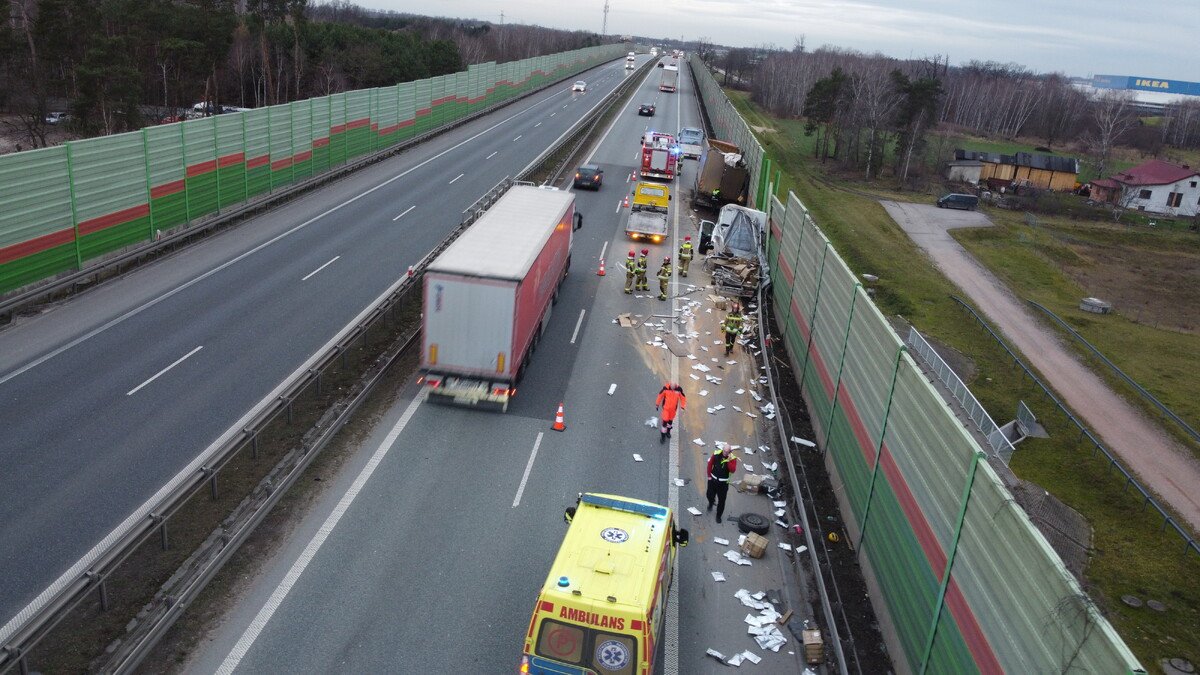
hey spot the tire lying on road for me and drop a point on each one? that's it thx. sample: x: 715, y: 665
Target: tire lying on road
x: 752, y: 522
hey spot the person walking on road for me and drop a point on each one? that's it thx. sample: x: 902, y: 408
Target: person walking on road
x: 670, y: 401
x: 721, y: 465
x: 642, y: 266
x: 664, y: 278
x: 630, y: 272
x: 733, y: 327
x: 685, y: 256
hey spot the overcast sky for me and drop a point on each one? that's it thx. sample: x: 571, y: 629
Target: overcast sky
x: 1152, y: 38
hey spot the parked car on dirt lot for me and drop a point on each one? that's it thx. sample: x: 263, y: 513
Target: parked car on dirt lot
x: 646, y: 110
x: 589, y: 176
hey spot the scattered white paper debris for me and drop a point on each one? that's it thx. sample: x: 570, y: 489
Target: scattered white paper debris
x: 698, y: 441
x: 781, y: 523
x: 701, y: 367
x: 739, y: 392
x: 637, y: 457
x: 612, y: 388
x: 748, y: 451
x: 771, y: 466
x: 719, y: 540
x: 679, y: 482
x: 694, y: 376
x: 652, y: 422
x: 802, y: 549
x: 704, y: 392
x: 801, y: 441
x: 756, y: 396
x: 730, y: 363
x: 751, y: 656
x: 750, y: 468
x: 715, y: 654
x: 718, y: 407
x: 779, y: 513
x: 712, y: 410
x: 738, y: 409
x: 693, y: 510
x: 718, y: 577
x: 780, y: 504
x: 751, y: 415
x: 692, y: 357
x: 714, y: 359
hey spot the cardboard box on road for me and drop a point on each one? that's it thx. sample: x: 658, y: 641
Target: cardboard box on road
x: 814, y: 647
x: 751, y: 484
x: 755, y: 545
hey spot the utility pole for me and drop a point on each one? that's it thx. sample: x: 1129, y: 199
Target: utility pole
x: 604, y: 27
x: 502, y: 34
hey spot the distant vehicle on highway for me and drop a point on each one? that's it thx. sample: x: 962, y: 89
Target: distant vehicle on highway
x: 601, y: 609
x: 958, y: 201
x: 579, y: 86
x: 487, y: 297
x: 691, y: 142
x: 646, y: 110
x: 589, y: 176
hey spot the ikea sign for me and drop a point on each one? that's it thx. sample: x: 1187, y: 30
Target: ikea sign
x: 1146, y: 84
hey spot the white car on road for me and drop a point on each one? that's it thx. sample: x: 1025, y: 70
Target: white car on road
x: 579, y: 86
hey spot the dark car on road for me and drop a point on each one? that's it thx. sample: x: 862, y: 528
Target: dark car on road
x: 646, y: 110
x: 958, y: 201
x: 589, y: 176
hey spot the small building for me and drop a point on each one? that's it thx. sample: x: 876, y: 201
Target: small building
x: 1046, y: 172
x: 1155, y: 186
x: 964, y: 171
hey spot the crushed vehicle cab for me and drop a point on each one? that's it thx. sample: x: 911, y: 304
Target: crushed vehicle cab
x: 691, y: 142
x: 602, y: 606
x: 648, y: 212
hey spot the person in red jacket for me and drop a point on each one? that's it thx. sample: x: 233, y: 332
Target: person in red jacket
x: 721, y: 466
x: 670, y: 401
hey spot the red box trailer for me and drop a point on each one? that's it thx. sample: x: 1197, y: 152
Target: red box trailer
x: 488, y: 296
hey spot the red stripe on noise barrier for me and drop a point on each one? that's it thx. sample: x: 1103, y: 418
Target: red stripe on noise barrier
x: 358, y: 123
x: 281, y: 163
x: 36, y: 245
x: 167, y: 188
x: 229, y: 160
x: 115, y: 218
x: 337, y: 129
x: 320, y: 142
x: 256, y: 162
x: 201, y: 168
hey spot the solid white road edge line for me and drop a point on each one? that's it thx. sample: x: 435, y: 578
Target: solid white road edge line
x: 405, y: 213
x: 492, y: 155
x: 310, y: 551
x: 456, y: 178
x: 528, y: 468
x: 160, y: 373
x: 537, y: 125
x: 603, y: 249
x: 138, y: 310
x: 577, y: 325
x: 331, y: 261
x: 518, y: 138
x: 671, y: 641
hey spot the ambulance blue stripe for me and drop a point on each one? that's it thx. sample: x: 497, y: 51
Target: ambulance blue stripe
x: 540, y: 666
x: 653, y: 511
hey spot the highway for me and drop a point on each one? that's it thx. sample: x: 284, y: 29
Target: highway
x: 425, y: 554
x: 109, y: 395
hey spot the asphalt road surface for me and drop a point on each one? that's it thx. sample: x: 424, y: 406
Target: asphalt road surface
x: 427, y: 551
x: 108, y: 396
x: 1165, y: 466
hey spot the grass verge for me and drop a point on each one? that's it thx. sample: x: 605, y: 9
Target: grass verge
x: 1131, y: 554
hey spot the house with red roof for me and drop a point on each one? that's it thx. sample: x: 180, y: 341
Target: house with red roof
x: 1155, y: 186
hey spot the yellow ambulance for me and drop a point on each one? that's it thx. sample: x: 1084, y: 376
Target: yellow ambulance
x: 600, y: 611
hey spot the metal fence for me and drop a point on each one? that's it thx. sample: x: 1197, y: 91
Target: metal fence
x: 1190, y: 545
x: 1001, y: 447
x: 728, y: 125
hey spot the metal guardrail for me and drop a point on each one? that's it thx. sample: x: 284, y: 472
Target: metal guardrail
x: 22, y: 632
x: 1001, y: 447
x: 1133, y: 383
x: 1190, y: 544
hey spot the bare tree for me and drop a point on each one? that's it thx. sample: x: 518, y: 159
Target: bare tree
x: 1113, y: 115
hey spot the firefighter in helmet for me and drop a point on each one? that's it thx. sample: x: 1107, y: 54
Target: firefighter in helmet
x: 685, y: 256
x: 664, y: 278
x: 630, y: 271
x: 642, y: 266
x: 733, y: 327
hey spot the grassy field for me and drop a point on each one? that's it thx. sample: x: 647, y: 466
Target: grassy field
x: 1131, y: 556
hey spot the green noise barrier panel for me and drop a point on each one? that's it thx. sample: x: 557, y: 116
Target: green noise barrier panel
x: 65, y: 207
x: 961, y: 580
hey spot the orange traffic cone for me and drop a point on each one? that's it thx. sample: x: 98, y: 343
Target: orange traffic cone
x: 625, y: 203
x: 600, y: 272
x: 558, y: 420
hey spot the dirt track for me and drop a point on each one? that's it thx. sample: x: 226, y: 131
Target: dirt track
x: 1163, y: 465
